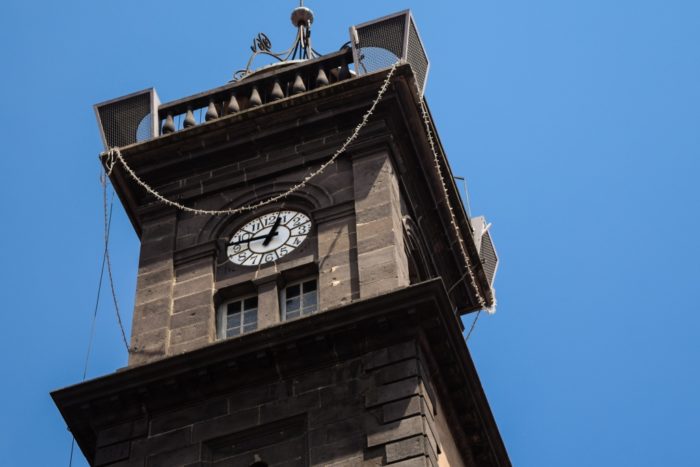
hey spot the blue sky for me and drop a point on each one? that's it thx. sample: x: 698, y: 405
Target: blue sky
x: 575, y: 122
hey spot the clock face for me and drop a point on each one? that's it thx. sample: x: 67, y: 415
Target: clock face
x: 268, y: 238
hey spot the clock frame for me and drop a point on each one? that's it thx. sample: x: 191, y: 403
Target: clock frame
x: 268, y: 238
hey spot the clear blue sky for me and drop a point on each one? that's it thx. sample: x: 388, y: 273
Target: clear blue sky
x: 577, y: 125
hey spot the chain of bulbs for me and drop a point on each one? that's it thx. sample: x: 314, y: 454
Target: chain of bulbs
x: 114, y: 155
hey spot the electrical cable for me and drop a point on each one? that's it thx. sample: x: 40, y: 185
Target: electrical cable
x: 471, y: 329
x: 109, y: 265
x: 94, y: 312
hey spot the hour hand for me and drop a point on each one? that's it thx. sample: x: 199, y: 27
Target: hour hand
x: 251, y: 239
x: 272, y: 232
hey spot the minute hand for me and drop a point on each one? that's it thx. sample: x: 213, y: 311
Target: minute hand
x: 273, y: 232
x: 252, y: 239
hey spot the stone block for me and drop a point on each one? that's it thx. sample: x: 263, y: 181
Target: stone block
x: 395, y: 431
x: 334, y: 236
x: 312, y: 381
x: 175, y: 458
x: 193, y: 301
x: 189, y: 333
x: 160, y: 227
x: 415, y: 462
x: 146, y: 317
x: 152, y: 266
x: 157, y: 307
x: 110, y: 454
x: 341, y: 452
x: 188, y: 346
x: 378, y: 264
x: 122, y: 432
x: 268, y: 305
x: 153, y: 293
x: 345, y: 391
x: 169, y: 441
x: 337, y: 285
x: 367, y: 212
x: 349, y: 370
x: 155, y: 277
x: 431, y: 436
x: 397, y: 371
x: 255, y: 396
x: 290, y: 407
x: 198, y: 284
x: 156, y: 247
x: 402, y: 409
x: 370, y: 173
x: 428, y: 400
x: 388, y: 355
x: 337, y: 262
x: 200, y: 314
x: 337, y: 431
x: 405, y: 449
x: 375, y: 240
x: 226, y: 425
x: 180, y: 418
x: 148, y: 346
x: 372, y: 289
x: 392, y: 392
x: 382, y: 227
x: 193, y: 269
x: 329, y: 413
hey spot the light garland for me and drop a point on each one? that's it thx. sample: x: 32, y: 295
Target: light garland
x: 114, y: 155
x: 453, y: 218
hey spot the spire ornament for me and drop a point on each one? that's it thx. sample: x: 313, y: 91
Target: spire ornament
x: 302, y: 18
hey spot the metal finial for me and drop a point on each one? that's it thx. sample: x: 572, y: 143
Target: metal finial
x: 302, y: 19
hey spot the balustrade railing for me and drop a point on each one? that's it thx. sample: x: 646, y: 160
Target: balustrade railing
x: 267, y: 85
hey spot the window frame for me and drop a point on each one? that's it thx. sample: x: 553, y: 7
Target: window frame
x: 283, y: 298
x: 222, y: 317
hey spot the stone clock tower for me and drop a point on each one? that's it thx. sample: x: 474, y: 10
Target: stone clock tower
x: 305, y: 261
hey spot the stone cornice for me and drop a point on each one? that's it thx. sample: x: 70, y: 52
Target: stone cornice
x: 420, y: 310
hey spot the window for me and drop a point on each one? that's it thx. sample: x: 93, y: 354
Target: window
x: 300, y: 299
x: 238, y: 317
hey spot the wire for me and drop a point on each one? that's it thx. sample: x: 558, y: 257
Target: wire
x: 464, y: 276
x: 94, y: 313
x: 471, y: 329
x: 109, y: 265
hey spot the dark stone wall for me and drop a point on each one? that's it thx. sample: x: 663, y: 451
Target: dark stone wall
x: 356, y: 250
x: 376, y: 409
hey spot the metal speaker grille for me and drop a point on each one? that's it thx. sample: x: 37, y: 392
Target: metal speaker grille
x: 417, y: 56
x: 489, y: 257
x: 380, y: 43
x: 127, y: 120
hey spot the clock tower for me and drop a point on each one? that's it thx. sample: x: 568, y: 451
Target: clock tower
x: 305, y: 262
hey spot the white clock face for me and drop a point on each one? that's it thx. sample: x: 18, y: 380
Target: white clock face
x: 268, y: 238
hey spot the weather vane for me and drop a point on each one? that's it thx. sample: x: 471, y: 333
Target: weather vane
x: 301, y: 49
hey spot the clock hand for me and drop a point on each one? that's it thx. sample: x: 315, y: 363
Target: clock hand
x: 272, y: 232
x: 248, y: 240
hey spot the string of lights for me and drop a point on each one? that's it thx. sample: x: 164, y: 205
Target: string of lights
x: 453, y: 218
x: 114, y: 156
